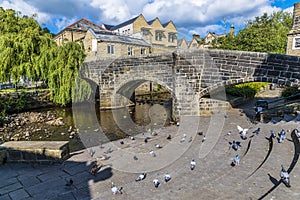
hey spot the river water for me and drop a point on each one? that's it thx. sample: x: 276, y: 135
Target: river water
x: 99, y: 126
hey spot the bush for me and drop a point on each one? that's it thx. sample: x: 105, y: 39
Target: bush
x: 290, y: 91
x: 245, y: 89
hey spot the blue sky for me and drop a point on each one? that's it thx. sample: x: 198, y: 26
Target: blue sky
x: 189, y: 16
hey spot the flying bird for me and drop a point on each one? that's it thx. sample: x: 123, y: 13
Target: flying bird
x: 243, y: 132
x: 142, y: 176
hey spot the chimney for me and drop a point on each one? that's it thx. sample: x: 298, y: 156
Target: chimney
x: 296, y: 16
x: 232, y: 30
x: 196, y: 37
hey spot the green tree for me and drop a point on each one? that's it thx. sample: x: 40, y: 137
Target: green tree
x: 23, y: 44
x: 263, y: 34
x: 27, y: 50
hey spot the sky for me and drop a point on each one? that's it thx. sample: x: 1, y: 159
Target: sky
x: 189, y: 16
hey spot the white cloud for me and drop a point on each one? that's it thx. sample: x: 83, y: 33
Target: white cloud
x: 189, y: 16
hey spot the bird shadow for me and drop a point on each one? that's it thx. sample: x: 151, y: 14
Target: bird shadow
x: 273, y: 180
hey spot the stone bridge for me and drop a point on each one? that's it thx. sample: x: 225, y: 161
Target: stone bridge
x: 188, y: 75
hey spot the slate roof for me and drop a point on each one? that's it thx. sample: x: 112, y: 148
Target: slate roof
x: 124, y: 23
x: 119, y: 39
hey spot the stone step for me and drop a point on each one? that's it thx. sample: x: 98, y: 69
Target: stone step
x: 34, y: 151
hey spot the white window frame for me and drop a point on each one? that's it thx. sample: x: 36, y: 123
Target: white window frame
x: 110, y: 49
x: 294, y: 43
x: 130, y: 51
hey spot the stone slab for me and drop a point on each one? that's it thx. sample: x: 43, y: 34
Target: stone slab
x: 19, y: 194
x: 34, y: 151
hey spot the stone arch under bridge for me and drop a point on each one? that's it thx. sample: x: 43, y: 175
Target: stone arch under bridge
x: 188, y: 75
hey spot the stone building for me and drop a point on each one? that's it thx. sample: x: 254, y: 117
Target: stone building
x: 293, y: 37
x: 76, y: 31
x: 162, y: 37
x: 111, y: 45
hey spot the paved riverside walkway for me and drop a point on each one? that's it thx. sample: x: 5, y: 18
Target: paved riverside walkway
x: 213, y: 177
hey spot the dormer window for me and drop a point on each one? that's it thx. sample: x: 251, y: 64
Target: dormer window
x: 296, y: 43
x: 172, y: 37
x: 159, y: 35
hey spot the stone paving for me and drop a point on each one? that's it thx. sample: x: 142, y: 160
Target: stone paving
x: 213, y: 177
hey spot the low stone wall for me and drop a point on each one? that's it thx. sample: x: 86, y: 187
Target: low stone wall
x: 34, y: 151
x: 208, y: 106
x: 33, y: 99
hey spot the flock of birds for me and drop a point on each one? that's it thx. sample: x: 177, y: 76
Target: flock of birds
x: 167, y: 177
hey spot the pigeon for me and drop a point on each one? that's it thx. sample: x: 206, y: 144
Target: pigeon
x: 243, y: 132
x: 146, y: 139
x: 200, y: 133
x: 156, y: 183
x: 92, y: 152
x: 229, y: 133
x: 169, y: 137
x: 183, y: 138
x: 152, y: 153
x: 115, y: 190
x: 297, y: 132
x: 121, y: 142
x: 236, y: 159
x: 177, y: 124
x: 70, y: 183
x: 158, y: 146
x: 193, y: 164
x: 109, y: 150
x: 235, y: 145
x: 135, y: 158
x: 167, y: 177
x: 101, y: 146
x: 256, y: 131
x: 191, y: 139
x: 204, y: 138
x: 285, y: 177
x: 132, y: 138
x: 142, y: 176
x: 96, y: 167
x: 282, y: 136
x: 273, y: 134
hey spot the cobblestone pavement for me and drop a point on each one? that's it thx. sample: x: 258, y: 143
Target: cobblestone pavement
x: 213, y: 177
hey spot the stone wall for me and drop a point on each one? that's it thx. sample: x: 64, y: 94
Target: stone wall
x: 188, y: 75
x: 208, y: 106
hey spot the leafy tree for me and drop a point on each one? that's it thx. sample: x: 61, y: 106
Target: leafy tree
x: 27, y: 50
x: 263, y: 34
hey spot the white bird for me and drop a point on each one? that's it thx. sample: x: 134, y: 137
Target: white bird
x: 167, y: 177
x: 297, y: 132
x: 92, y: 152
x: 243, y: 132
x: 132, y: 138
x: 152, y: 153
x: 115, y: 190
x: 193, y: 164
x: 236, y: 160
x: 285, y: 177
x: 156, y: 183
x: 142, y: 176
x: 158, y: 146
x: 177, y: 124
x: 183, y: 138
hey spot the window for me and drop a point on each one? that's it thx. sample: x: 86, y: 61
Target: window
x: 172, y: 37
x: 94, y: 45
x: 296, y: 43
x: 110, y: 49
x: 130, y: 51
x: 143, y: 51
x: 158, y: 35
